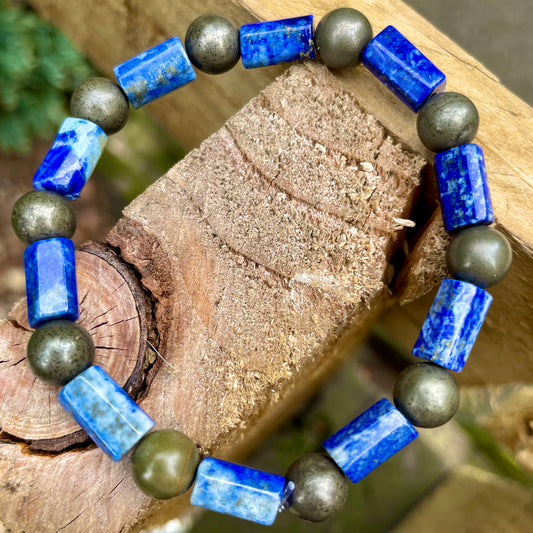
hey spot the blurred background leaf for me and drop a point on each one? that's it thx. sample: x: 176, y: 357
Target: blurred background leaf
x: 39, y: 69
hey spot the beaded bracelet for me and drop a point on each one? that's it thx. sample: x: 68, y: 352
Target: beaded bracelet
x: 166, y: 463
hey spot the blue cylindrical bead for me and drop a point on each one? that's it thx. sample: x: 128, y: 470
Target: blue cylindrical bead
x: 105, y: 411
x: 155, y: 72
x: 403, y: 68
x: 452, y: 324
x: 51, y: 289
x: 369, y: 440
x: 239, y: 491
x: 269, y: 43
x: 463, y: 187
x: 71, y: 160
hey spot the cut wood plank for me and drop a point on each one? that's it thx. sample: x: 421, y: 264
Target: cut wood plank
x: 266, y: 253
x: 38, y: 492
x: 120, y: 30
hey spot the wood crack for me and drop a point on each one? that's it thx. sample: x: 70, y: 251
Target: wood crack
x: 73, y: 520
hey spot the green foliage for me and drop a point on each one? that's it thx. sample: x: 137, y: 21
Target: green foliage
x: 39, y: 69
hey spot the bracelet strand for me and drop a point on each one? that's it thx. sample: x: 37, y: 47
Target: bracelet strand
x: 166, y: 463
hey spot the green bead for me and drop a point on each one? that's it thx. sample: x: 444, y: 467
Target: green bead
x: 320, y: 487
x: 60, y: 350
x: 447, y: 120
x: 41, y: 215
x: 164, y: 463
x: 212, y: 43
x: 480, y: 255
x: 103, y: 102
x: 426, y: 394
x: 341, y: 37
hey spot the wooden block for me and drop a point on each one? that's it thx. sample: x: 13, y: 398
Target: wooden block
x: 120, y: 30
x: 265, y: 254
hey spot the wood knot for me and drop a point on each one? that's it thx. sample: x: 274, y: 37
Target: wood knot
x: 114, y: 309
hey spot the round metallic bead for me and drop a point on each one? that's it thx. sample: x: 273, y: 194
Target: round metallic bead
x: 164, y: 463
x: 479, y: 255
x: 426, y: 394
x: 341, y: 37
x: 447, y: 120
x: 212, y: 43
x: 60, y: 350
x: 103, y: 102
x: 321, y: 488
x: 41, y: 215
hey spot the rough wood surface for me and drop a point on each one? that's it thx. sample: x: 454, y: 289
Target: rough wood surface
x: 121, y: 29
x: 265, y: 277
x: 265, y: 253
x: 37, y: 489
x: 109, y: 311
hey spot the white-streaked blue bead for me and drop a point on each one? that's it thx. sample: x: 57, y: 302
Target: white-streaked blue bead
x: 369, y: 440
x: 452, y: 324
x: 238, y: 490
x: 154, y: 73
x: 272, y: 42
x: 108, y: 415
x: 51, y: 289
x: 463, y: 187
x: 71, y: 160
x: 403, y: 68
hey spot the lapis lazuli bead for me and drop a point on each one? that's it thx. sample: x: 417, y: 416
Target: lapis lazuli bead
x: 154, y: 73
x: 71, y: 160
x: 269, y: 43
x: 238, y: 490
x: 403, y: 68
x: 108, y: 415
x: 51, y: 289
x: 369, y: 440
x: 452, y: 324
x: 463, y: 187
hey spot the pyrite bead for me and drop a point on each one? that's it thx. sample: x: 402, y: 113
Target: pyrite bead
x: 103, y: 102
x: 41, y: 215
x: 60, y: 350
x: 164, y: 463
x: 479, y: 255
x: 447, y: 120
x: 320, y: 487
x: 341, y: 37
x: 426, y: 394
x: 212, y: 43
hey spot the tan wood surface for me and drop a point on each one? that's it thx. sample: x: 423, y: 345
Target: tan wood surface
x: 121, y: 30
x: 113, y: 310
